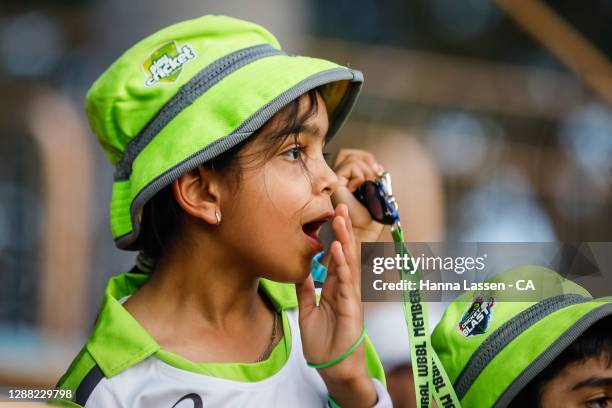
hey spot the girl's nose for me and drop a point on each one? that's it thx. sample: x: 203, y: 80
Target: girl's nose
x: 327, y: 180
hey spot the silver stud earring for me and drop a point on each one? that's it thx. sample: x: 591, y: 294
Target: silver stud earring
x: 218, y: 216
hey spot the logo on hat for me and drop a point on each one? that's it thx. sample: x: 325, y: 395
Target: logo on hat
x: 166, y: 63
x: 477, y: 318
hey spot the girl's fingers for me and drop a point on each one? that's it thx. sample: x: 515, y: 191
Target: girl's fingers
x: 361, y: 155
x: 353, y: 172
x: 339, y: 227
x: 329, y: 286
x: 344, y: 233
x: 348, y: 222
x: 351, y: 176
x: 342, y: 253
x: 305, y: 292
x: 342, y: 271
x: 369, y: 170
x: 345, y: 294
x: 346, y: 237
x: 367, y: 174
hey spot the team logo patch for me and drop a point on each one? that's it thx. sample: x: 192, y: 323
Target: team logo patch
x: 477, y: 318
x: 166, y: 63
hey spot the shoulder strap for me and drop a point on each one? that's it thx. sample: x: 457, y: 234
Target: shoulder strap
x: 86, y: 387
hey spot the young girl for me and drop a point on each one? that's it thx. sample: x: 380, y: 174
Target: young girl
x: 222, y: 185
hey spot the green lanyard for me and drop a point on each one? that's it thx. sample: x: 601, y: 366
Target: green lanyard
x: 430, y: 378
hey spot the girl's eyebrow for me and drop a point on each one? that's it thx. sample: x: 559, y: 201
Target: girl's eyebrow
x: 312, y: 129
x: 594, y: 382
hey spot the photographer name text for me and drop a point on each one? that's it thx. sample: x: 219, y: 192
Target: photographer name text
x: 427, y: 285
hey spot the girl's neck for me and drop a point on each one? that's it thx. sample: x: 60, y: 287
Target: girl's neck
x: 202, y: 307
x: 207, y: 289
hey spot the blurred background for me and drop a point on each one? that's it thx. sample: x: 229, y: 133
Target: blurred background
x: 494, y: 118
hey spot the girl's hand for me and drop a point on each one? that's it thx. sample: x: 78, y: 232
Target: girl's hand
x: 353, y: 167
x: 331, y: 328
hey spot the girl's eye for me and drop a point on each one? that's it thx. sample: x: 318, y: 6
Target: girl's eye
x: 294, y: 153
x: 602, y: 402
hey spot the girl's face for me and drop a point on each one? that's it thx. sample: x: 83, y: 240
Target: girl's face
x: 272, y: 220
x: 582, y: 384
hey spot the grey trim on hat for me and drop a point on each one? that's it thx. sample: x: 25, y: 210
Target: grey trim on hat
x: 552, y: 352
x: 187, y: 94
x: 505, y: 334
x: 245, y: 130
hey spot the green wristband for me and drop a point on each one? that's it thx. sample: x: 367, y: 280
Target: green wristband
x: 344, y: 355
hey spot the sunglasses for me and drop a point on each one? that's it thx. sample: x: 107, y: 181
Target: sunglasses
x: 377, y: 197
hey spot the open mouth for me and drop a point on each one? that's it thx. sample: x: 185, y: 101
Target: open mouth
x: 312, y: 230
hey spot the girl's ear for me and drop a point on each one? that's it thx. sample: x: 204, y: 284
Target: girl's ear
x: 198, y: 193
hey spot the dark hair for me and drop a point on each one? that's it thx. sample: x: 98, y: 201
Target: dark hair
x: 161, y: 220
x: 596, y: 342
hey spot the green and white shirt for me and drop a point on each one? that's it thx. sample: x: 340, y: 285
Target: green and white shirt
x: 121, y: 365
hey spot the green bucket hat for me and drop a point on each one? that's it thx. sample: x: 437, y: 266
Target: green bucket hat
x: 190, y: 92
x: 490, y: 361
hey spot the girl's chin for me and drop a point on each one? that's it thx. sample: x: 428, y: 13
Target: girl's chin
x: 292, y: 275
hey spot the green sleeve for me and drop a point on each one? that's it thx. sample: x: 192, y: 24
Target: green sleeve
x: 373, y: 364
x: 71, y: 380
